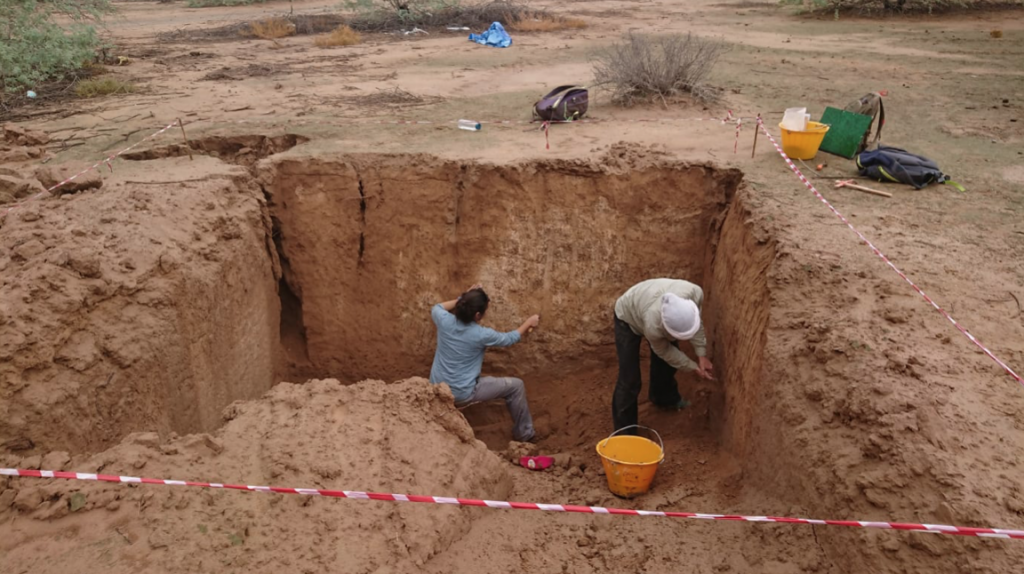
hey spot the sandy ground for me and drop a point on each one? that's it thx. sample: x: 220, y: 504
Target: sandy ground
x: 851, y: 398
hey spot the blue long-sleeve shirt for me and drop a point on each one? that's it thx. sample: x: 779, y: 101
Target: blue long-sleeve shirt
x: 460, y: 351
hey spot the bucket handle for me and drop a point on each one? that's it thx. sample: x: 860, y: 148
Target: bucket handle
x: 660, y: 443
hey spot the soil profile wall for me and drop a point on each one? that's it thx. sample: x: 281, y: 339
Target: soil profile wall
x: 369, y: 243
x: 149, y: 308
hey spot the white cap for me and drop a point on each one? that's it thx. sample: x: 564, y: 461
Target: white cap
x: 681, y: 317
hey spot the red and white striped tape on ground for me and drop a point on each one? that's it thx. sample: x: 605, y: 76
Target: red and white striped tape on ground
x: 107, y: 161
x: 358, y: 495
x: 882, y: 256
x: 727, y: 119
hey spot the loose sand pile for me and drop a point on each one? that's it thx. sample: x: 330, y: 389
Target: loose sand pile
x: 402, y: 437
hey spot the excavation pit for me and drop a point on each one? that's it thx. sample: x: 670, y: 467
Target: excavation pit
x: 368, y: 243
x: 174, y: 307
x: 331, y: 265
x: 327, y: 268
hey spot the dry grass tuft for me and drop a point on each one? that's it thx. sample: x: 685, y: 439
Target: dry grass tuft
x: 394, y: 97
x: 545, y: 22
x: 272, y: 28
x: 996, y: 33
x: 341, y: 36
x: 644, y: 68
x: 104, y: 86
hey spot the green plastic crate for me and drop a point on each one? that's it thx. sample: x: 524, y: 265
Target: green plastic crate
x: 846, y: 132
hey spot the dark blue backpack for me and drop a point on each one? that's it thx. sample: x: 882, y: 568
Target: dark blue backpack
x: 900, y: 166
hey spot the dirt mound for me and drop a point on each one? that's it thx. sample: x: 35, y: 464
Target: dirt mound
x: 402, y: 437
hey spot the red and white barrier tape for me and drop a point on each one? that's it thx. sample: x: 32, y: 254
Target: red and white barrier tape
x: 882, y: 256
x: 728, y: 118
x: 357, y: 495
x: 107, y: 161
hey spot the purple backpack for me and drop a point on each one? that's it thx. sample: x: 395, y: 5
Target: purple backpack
x: 562, y: 104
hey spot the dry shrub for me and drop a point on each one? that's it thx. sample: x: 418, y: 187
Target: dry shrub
x: 272, y: 28
x: 396, y: 97
x: 882, y: 7
x: 341, y: 36
x: 643, y: 68
x: 996, y: 33
x: 104, y: 86
x: 544, y: 22
x: 387, y: 15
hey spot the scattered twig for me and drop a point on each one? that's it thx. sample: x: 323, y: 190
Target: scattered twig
x: 65, y: 146
x: 131, y: 133
x: 1018, y: 303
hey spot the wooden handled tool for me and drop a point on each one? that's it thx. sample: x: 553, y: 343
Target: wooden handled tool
x: 849, y: 183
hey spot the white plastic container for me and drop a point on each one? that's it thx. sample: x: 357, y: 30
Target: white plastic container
x: 795, y: 119
x: 469, y: 125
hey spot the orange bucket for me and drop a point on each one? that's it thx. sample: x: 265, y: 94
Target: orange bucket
x: 630, y: 462
x: 805, y: 144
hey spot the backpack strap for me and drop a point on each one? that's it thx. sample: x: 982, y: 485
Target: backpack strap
x: 955, y: 185
x: 559, y: 89
x: 881, y: 119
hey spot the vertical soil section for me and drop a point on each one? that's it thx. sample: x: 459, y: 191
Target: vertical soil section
x: 737, y: 315
x: 373, y: 241
x: 133, y: 309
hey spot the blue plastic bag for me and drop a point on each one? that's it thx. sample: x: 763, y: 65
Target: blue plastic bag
x: 495, y: 36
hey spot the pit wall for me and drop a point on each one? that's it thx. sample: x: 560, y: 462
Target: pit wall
x: 737, y: 314
x: 144, y: 309
x: 368, y: 243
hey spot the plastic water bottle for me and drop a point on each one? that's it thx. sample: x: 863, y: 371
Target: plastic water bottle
x: 469, y: 125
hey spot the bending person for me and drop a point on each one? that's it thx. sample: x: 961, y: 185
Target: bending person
x: 663, y: 311
x: 461, y: 342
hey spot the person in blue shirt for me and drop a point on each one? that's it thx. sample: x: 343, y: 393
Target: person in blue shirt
x: 461, y: 342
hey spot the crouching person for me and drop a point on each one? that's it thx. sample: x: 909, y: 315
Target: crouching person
x: 461, y: 342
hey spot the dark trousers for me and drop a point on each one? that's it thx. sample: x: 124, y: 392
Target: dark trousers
x: 663, y: 392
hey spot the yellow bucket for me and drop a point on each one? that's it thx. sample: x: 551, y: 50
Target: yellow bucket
x: 630, y: 462
x: 805, y: 144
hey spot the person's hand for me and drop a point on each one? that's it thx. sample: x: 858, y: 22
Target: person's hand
x: 532, y: 322
x: 475, y: 286
x: 705, y: 369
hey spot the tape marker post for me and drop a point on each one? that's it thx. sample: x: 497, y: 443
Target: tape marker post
x: 882, y: 256
x: 1001, y: 533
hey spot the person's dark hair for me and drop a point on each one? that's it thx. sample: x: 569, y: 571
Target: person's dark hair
x: 470, y: 303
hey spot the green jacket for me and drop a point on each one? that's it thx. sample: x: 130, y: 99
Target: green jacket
x: 640, y: 308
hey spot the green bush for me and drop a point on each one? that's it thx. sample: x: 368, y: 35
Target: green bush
x: 35, y: 48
